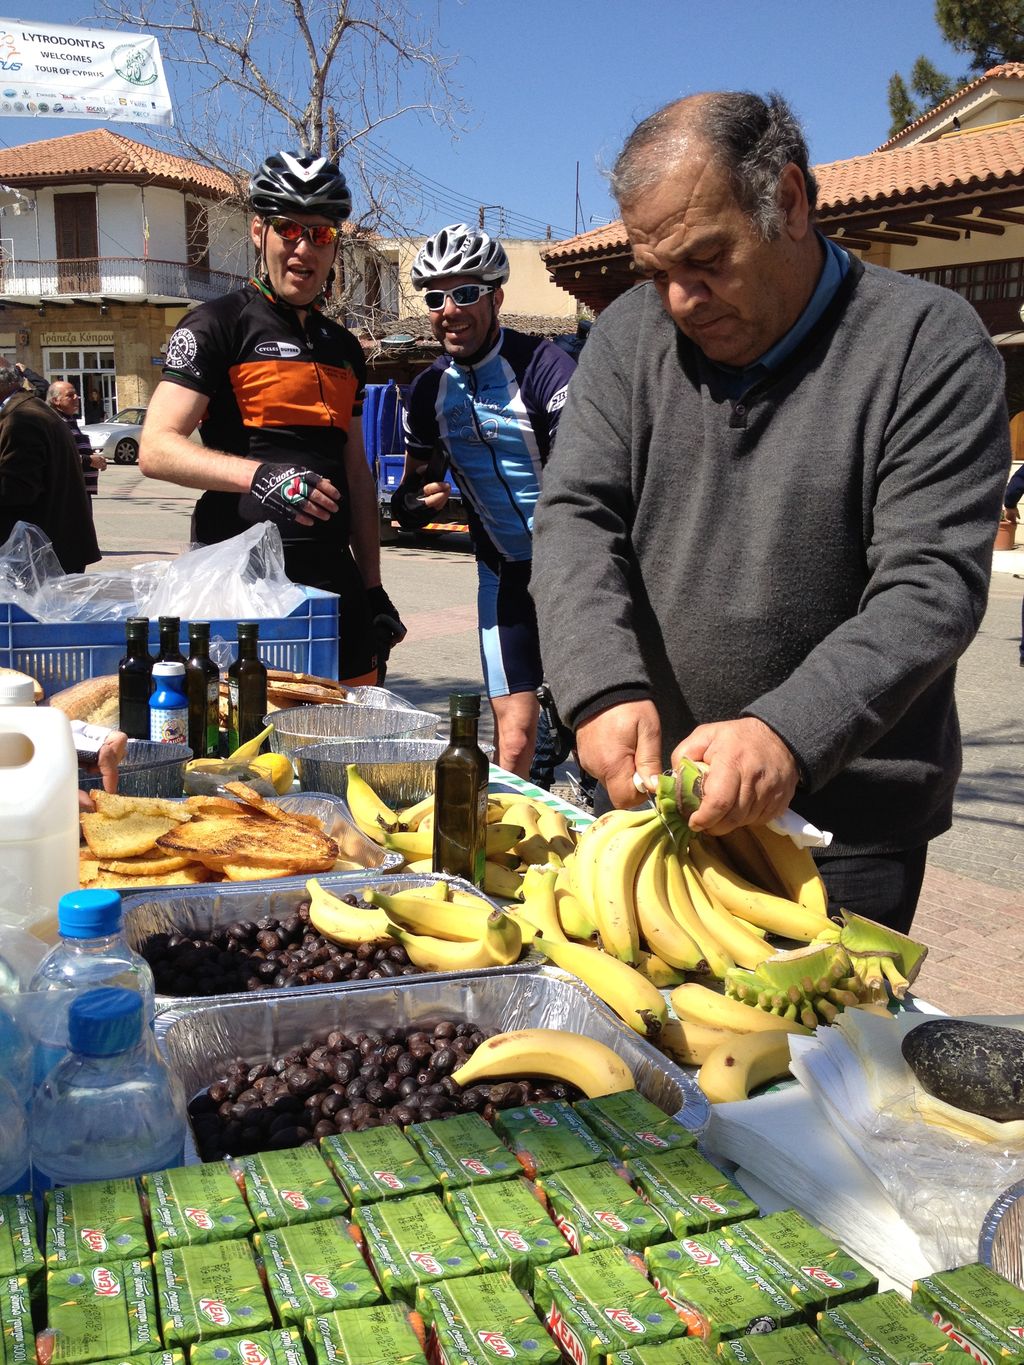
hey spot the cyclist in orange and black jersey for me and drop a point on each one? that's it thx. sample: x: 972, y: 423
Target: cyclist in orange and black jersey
x: 278, y: 387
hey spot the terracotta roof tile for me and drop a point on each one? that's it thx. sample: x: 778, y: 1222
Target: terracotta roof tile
x: 1006, y: 70
x: 926, y: 171
x: 111, y: 156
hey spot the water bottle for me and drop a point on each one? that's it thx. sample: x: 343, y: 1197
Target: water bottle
x: 14, y: 1153
x: 15, y: 1055
x: 111, y: 1107
x: 92, y: 952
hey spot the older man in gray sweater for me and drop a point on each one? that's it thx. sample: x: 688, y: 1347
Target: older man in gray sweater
x: 766, y: 537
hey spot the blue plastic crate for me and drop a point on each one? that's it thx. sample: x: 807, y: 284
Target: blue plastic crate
x: 59, y: 654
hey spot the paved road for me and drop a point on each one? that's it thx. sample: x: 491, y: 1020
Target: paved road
x: 972, y: 908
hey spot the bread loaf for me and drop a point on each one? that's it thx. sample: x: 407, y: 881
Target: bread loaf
x: 94, y: 701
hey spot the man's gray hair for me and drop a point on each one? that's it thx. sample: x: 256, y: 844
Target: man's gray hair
x: 10, y: 376
x: 54, y: 389
x: 752, y: 137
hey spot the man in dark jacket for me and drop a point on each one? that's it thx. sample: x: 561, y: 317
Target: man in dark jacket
x: 64, y: 400
x: 41, y: 478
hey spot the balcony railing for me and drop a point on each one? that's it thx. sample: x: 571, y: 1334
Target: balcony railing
x: 122, y: 277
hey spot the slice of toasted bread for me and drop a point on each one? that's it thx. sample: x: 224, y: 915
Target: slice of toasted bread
x: 117, y: 807
x: 123, y: 837
x: 251, y: 838
x: 249, y: 872
x: 152, y: 863
x: 186, y: 876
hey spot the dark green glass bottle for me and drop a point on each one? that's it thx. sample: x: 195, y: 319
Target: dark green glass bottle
x: 135, y: 680
x: 247, y: 688
x: 202, y: 684
x: 170, y: 641
x: 460, y: 795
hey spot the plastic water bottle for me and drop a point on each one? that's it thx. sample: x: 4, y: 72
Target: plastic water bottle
x: 15, y: 1055
x: 111, y: 1108
x: 14, y: 1153
x: 92, y: 952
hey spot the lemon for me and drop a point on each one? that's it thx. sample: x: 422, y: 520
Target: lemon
x: 277, y: 769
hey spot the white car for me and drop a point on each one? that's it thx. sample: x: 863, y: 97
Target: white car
x: 119, y: 438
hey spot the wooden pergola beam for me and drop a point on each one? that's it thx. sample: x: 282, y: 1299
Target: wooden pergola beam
x: 880, y: 235
x: 970, y: 225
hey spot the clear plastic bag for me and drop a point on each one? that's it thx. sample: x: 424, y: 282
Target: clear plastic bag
x: 238, y: 579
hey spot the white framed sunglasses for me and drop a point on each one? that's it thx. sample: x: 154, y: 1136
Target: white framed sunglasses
x: 463, y: 295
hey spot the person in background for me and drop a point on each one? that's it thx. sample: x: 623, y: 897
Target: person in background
x: 488, y: 406
x: 64, y: 400
x: 32, y: 382
x: 1011, y: 498
x: 93, y: 405
x: 41, y: 479
x: 278, y: 387
x: 855, y: 419
x: 107, y: 763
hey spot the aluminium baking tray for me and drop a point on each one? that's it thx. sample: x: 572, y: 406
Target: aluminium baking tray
x: 199, y: 1041
x: 196, y: 909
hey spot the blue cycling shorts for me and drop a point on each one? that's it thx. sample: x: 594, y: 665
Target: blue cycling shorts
x: 509, y: 642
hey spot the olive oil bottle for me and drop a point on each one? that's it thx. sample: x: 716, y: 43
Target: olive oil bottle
x: 460, y: 795
x: 135, y: 680
x: 247, y: 688
x: 202, y: 684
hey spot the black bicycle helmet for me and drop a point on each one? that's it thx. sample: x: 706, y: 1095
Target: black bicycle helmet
x: 294, y: 182
x: 459, y: 250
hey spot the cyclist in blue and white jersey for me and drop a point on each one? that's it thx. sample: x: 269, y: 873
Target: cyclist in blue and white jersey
x: 488, y: 408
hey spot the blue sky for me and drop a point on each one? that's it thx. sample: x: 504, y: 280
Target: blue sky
x: 554, y: 82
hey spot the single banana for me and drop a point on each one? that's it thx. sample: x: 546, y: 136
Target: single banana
x: 734, y: 1068
x: 419, y: 843
x: 794, y: 867
x: 523, y: 813
x: 344, y: 923
x: 741, y: 850
x: 533, y: 852
x: 500, y: 945
x: 633, y: 998
x: 701, y: 1005
x: 436, y: 891
x: 739, y: 896
x: 584, y: 1062
x: 555, y: 828
x: 619, y: 859
x: 690, y: 1043
x: 658, y: 972
x: 369, y: 812
x: 538, y: 908
x: 659, y: 929
x: 575, y: 924
x: 250, y: 748
x: 742, y: 946
x: 411, y: 816
x: 683, y: 911
x: 502, y: 882
x: 436, y: 919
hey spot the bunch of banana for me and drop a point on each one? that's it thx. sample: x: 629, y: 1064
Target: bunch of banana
x: 438, y: 934
x: 556, y: 1053
x: 520, y: 832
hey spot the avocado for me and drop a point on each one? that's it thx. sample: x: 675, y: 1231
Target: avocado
x: 976, y: 1067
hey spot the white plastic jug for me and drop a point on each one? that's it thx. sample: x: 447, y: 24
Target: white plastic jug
x: 38, y: 799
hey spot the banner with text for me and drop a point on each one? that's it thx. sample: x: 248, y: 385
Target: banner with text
x: 53, y: 71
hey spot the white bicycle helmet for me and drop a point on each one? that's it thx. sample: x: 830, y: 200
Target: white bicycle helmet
x: 459, y: 250
x: 298, y: 183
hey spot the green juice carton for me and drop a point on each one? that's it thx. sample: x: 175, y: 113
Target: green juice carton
x: 292, y: 1186
x: 101, y: 1311
x: 547, y: 1137
x: 280, y: 1347
x: 720, y: 1291
x: 190, y: 1205
x: 17, y: 1344
x: 678, y: 1351
x: 378, y: 1163
x: 483, y: 1319
x: 99, y: 1221
x: 314, y: 1268
x: 691, y: 1193
x: 152, y: 1358
x: 883, y: 1330
x: 788, y: 1346
x: 383, y: 1334
x: 19, y: 1251
x: 630, y: 1125
x: 507, y: 1228
x: 594, y: 1206
x: 207, y: 1291
x: 977, y: 1309
x: 463, y: 1150
x: 411, y: 1242
x: 814, y: 1270
x: 600, y: 1303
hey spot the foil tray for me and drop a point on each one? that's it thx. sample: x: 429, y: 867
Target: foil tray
x: 196, y: 909
x: 200, y: 1040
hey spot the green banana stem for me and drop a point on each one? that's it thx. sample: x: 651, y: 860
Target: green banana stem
x: 807, y: 1015
x: 895, y: 978
x: 828, y: 1012
x: 674, y: 821
x: 844, y: 998
x: 864, y: 938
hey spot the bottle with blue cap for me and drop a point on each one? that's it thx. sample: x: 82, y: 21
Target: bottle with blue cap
x: 14, y: 1157
x: 111, y: 1107
x: 92, y: 952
